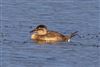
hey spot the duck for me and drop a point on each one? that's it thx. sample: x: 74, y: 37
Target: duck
x: 42, y: 34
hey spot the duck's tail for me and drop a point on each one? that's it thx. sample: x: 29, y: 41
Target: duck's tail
x: 73, y: 34
x: 68, y: 37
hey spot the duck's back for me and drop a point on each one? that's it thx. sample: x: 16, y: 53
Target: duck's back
x: 52, y: 36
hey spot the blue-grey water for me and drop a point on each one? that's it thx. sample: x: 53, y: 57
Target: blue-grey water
x: 19, y: 17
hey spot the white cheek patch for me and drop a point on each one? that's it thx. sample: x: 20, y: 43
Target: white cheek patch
x: 33, y: 36
x: 69, y: 40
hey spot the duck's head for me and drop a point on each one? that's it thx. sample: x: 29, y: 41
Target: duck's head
x: 40, y: 30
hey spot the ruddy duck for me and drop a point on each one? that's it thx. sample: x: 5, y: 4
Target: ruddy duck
x: 42, y: 34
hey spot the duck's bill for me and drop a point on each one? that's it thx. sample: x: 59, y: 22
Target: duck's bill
x: 32, y: 31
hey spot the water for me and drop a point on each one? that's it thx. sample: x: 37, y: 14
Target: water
x: 19, y: 17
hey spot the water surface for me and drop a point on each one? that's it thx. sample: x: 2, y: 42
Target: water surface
x: 19, y: 17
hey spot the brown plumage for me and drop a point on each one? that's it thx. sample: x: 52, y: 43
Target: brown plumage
x: 41, y: 33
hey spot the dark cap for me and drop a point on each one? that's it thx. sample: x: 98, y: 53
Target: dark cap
x: 41, y: 26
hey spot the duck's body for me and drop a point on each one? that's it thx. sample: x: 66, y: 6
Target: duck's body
x: 50, y: 36
x: 44, y: 35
